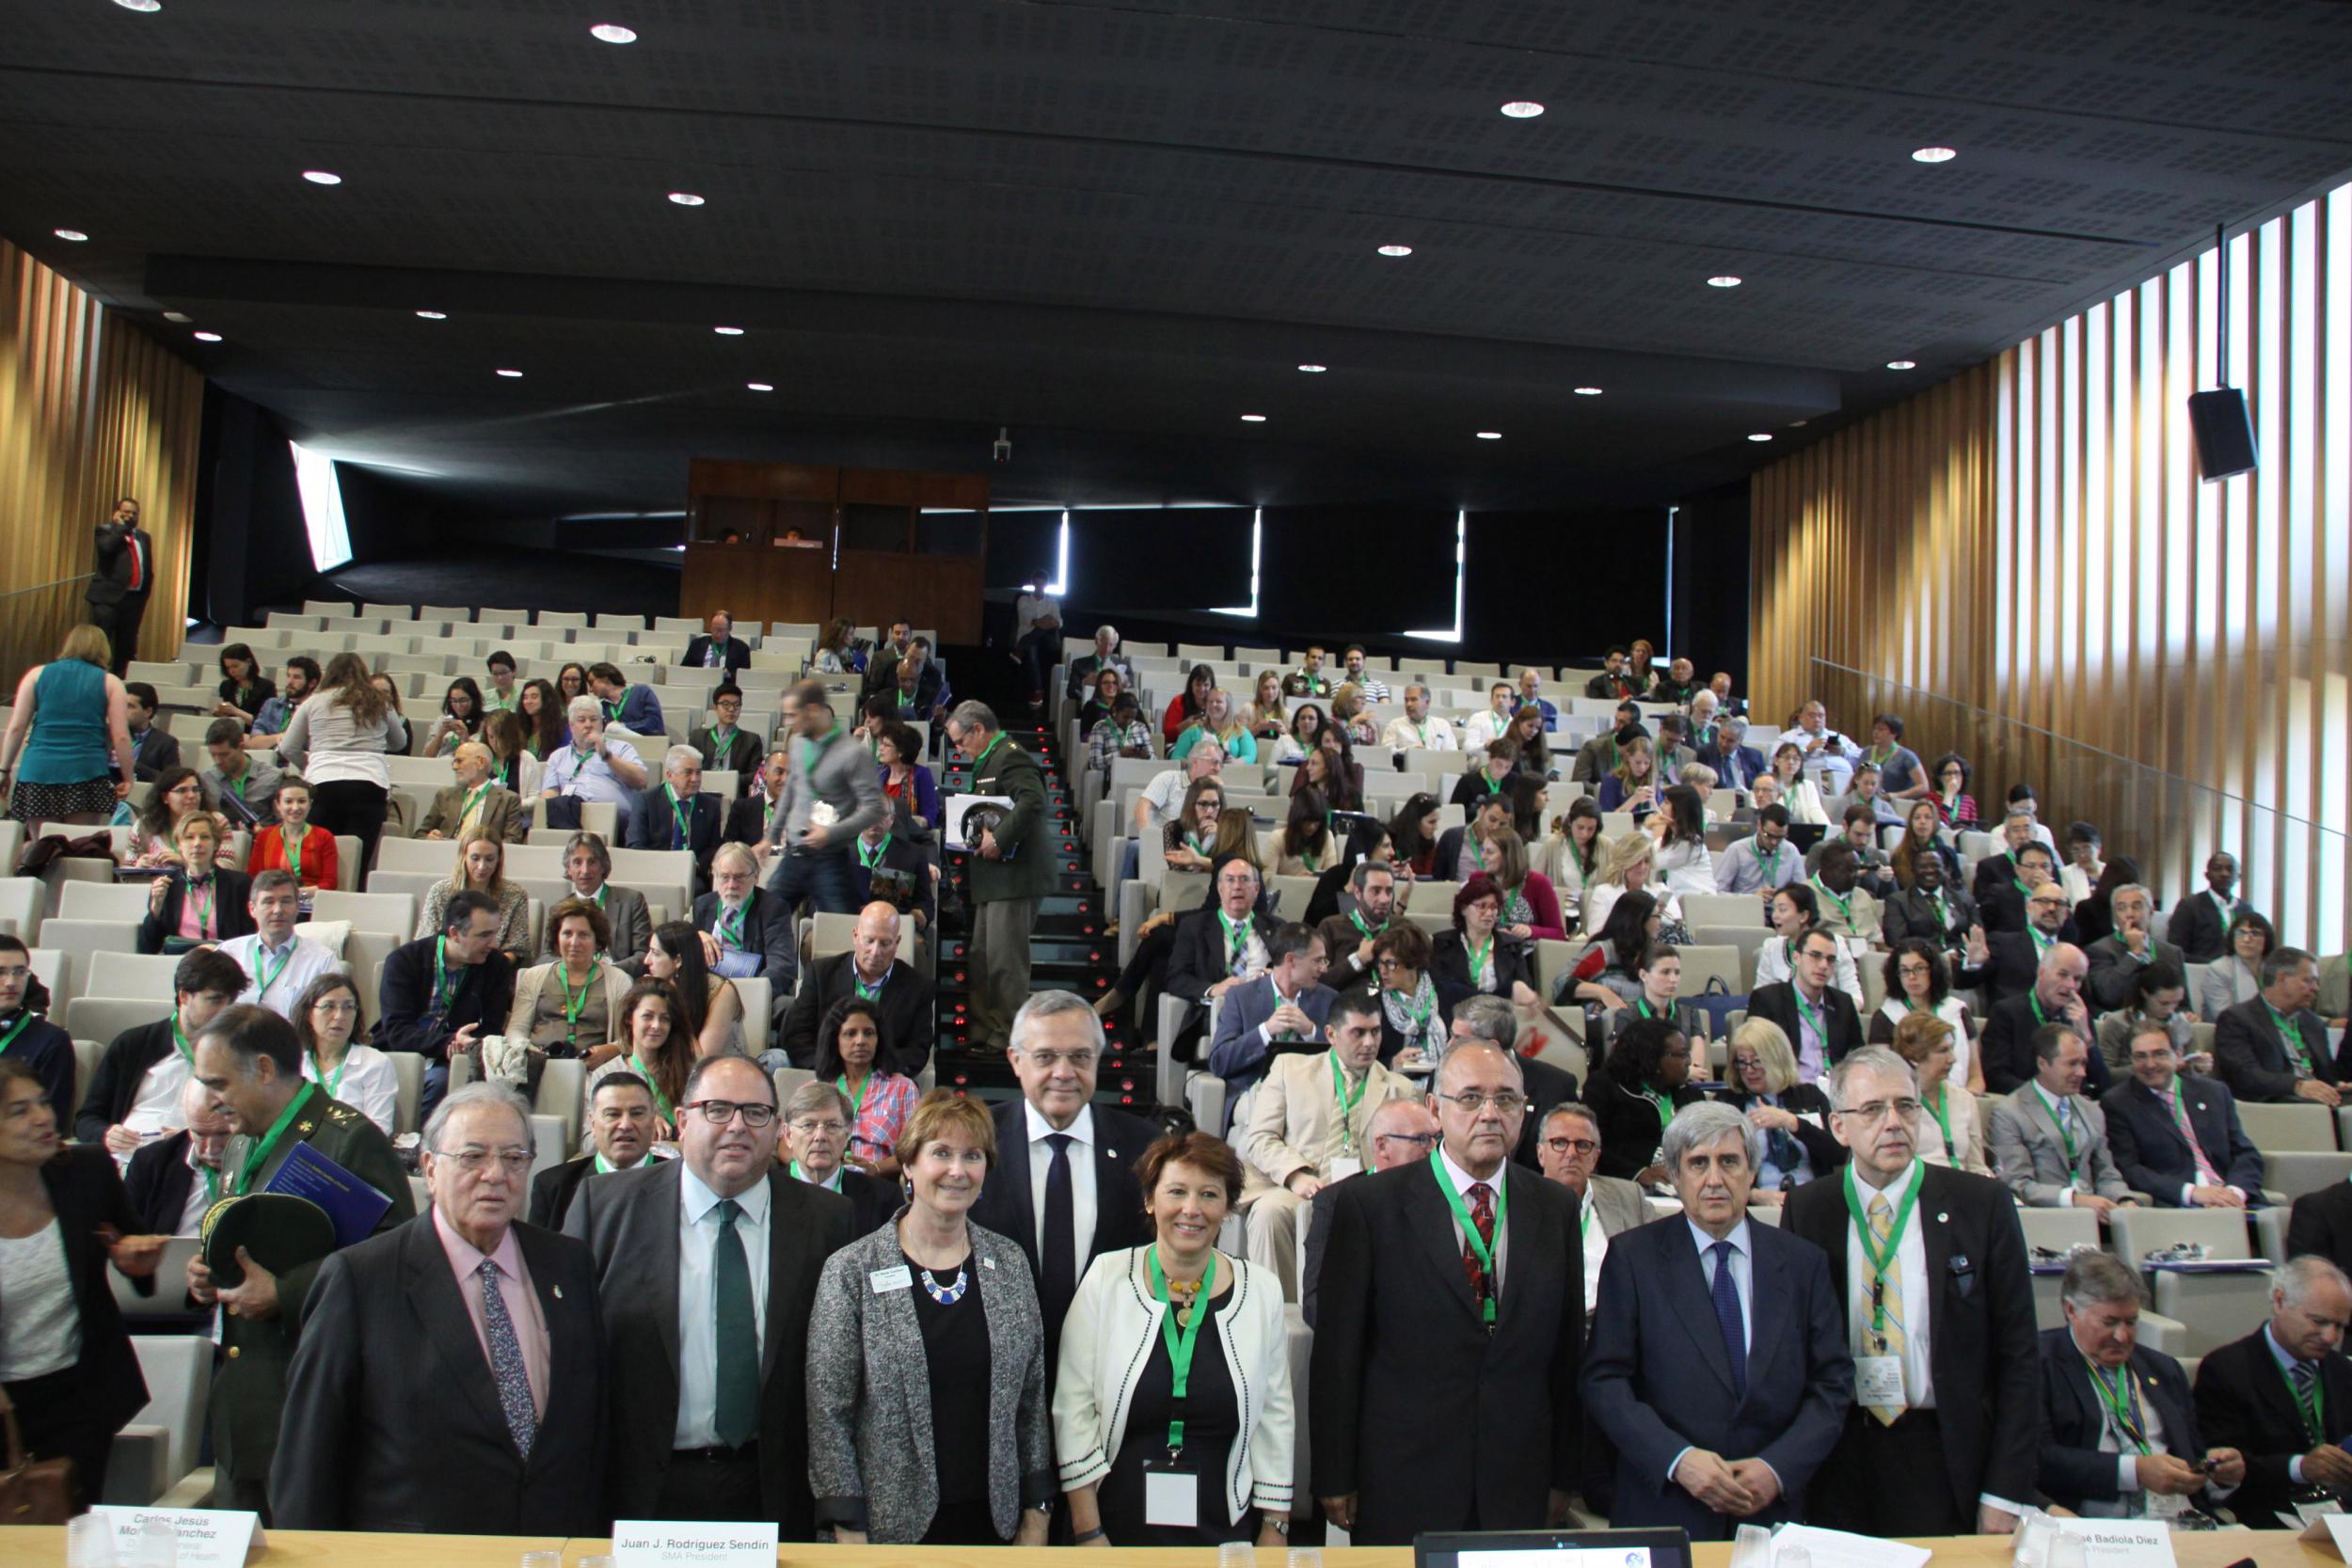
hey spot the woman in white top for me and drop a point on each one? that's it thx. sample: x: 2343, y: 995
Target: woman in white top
x: 1683, y: 859
x: 1631, y: 865
x: 1574, y: 853
x: 1919, y: 981
x: 1795, y: 911
x: 1111, y: 1401
x: 2083, y: 867
x: 1797, y: 793
x: 2236, y: 975
x: 1305, y: 734
x: 1265, y: 714
x: 326, y: 1016
x: 1951, y: 1130
x: 337, y: 741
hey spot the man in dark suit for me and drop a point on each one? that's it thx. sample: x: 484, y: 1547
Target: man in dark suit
x: 709, y: 1414
x: 1718, y: 1370
x: 155, y: 750
x: 2121, y: 1427
x: 162, y: 1178
x: 1929, y: 1265
x: 747, y: 818
x: 587, y: 872
x: 1401, y: 1131
x: 1819, y: 1019
x: 33, y: 1041
x: 2006, y: 961
x: 2199, y: 924
x: 1219, y: 950
x: 1451, y: 1313
x: 2006, y: 866
x: 2283, y: 1396
x: 441, y: 995
x: 1284, y: 1009
x: 1931, y: 910
x: 872, y: 968
x: 2054, y: 997
x: 747, y: 930
x: 717, y: 648
x: 2320, y: 1223
x: 2117, y: 959
x: 621, y: 1128
x: 1736, y: 766
x: 1365, y: 911
x: 816, y: 1121
x: 888, y: 865
x: 2178, y: 1139
x: 2274, y: 1049
x: 724, y: 744
x: 677, y: 815
x: 500, y: 1320
x: 122, y: 575
x: 1597, y: 757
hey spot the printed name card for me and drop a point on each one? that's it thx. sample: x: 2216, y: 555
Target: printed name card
x: 663, y: 1543
x: 2121, y: 1542
x: 2333, y: 1530
x: 209, y: 1538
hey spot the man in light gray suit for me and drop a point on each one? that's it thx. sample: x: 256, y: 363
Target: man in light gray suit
x: 708, y: 1266
x: 2048, y: 1141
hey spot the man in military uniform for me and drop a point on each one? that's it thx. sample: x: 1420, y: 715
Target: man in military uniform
x: 250, y: 1061
x: 1012, y: 868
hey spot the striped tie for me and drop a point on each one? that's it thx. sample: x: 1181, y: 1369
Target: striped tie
x: 1890, y: 1297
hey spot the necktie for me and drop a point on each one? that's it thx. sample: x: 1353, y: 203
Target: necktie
x: 138, y: 581
x: 737, y: 1416
x: 1481, y: 1208
x: 1058, y: 1248
x: 506, y: 1362
x: 1889, y: 1297
x: 1727, y: 1317
x: 2206, y: 1173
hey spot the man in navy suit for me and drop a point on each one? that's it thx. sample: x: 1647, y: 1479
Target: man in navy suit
x: 2178, y: 1139
x: 1282, y: 1009
x: 719, y: 648
x: 1219, y: 950
x: 1735, y: 766
x: 1718, y: 1368
x: 123, y: 576
x: 677, y: 815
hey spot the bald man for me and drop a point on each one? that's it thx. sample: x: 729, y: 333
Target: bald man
x: 872, y: 968
x: 2056, y: 997
x: 173, y: 1180
x: 1402, y: 1131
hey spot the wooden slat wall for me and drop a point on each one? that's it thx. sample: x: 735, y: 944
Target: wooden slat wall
x: 2023, y: 562
x: 91, y: 409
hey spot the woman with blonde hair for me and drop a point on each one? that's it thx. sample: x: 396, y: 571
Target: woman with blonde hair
x: 1347, y: 713
x: 1951, y: 1133
x: 1629, y: 867
x: 1219, y: 725
x: 70, y: 725
x: 1632, y: 785
x: 1266, y: 713
x: 481, y: 865
x: 1792, y: 1115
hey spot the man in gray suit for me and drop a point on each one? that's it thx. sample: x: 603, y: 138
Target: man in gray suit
x: 2115, y: 959
x: 708, y: 1399
x: 587, y: 864
x: 2048, y: 1140
x: 1568, y: 1148
x: 1284, y: 1008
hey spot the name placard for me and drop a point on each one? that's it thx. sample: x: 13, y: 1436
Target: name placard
x: 2121, y: 1542
x: 209, y: 1538
x: 669, y: 1543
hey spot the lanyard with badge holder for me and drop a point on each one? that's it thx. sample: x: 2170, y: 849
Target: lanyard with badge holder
x: 1171, y: 1488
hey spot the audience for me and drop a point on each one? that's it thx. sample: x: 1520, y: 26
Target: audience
x: 591, y: 767
x: 1952, y: 1132
x: 294, y: 844
x: 1793, y: 1115
x: 2291, y: 1449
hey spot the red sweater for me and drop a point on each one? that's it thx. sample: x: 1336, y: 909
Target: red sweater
x: 319, y: 869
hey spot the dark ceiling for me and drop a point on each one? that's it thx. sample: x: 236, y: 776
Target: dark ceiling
x: 1117, y: 228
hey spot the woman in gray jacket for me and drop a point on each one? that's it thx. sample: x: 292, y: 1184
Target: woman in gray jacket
x: 927, y: 1416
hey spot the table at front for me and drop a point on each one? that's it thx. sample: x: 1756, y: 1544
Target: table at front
x: 44, y: 1547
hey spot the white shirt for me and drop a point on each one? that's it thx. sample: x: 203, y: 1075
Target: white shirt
x: 1481, y: 730
x: 1030, y: 608
x: 1951, y: 1010
x: 1463, y: 1180
x: 697, y: 1300
x: 1435, y: 733
x: 1164, y: 794
x: 44, y: 1326
x: 1911, y: 1255
x: 310, y: 960
x: 1596, y: 1250
x: 156, y: 1107
x: 1081, y: 1134
x: 200, y: 1198
x: 1772, y: 968
x: 1688, y: 867
x: 364, y: 1081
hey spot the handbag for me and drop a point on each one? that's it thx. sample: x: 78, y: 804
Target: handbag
x: 32, y: 1490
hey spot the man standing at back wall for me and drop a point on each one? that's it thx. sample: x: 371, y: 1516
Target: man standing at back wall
x: 122, y: 574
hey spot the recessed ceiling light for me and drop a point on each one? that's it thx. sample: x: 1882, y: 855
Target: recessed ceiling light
x: 178, y: 316
x: 728, y: 331
x: 1522, y: 108
x: 1933, y: 155
x: 1724, y: 280
x: 206, y: 337
x: 512, y: 375
x: 75, y: 236
x: 140, y: 4
x: 1902, y: 364
x: 1396, y: 250
x: 1490, y: 435
x: 1313, y: 369
x: 759, y: 386
x: 1253, y: 419
x: 1588, y: 392
x: 685, y: 198
x: 1760, y: 435
x: 321, y: 177
x: 432, y: 315
x: 612, y: 32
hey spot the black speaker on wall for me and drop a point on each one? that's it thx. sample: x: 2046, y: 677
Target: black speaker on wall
x: 2225, y: 436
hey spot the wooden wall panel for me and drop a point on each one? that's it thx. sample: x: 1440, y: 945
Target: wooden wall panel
x: 2023, y: 562
x: 91, y: 409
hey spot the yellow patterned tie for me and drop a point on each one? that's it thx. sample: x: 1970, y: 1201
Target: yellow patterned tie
x: 1891, y: 1288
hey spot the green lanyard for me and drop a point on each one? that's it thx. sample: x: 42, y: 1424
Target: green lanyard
x: 444, y: 988
x: 1805, y: 1011
x: 1879, y: 1259
x: 1347, y: 1103
x: 2121, y: 1398
x: 812, y: 750
x: 1418, y: 1010
x: 1357, y: 918
x: 203, y: 904
x: 680, y: 814
x: 2065, y: 1124
x: 2312, y: 1408
x: 857, y: 1100
x: 1478, y: 956
x: 270, y: 978
x: 1640, y: 1005
x: 1476, y: 1242
x: 606, y: 1167
x: 1236, y: 937
x: 2041, y: 945
x: 730, y: 924
x: 1941, y: 1109
x: 660, y: 1101
x: 1878, y: 758
x: 291, y: 850
x: 334, y: 1080
x: 1770, y: 864
x: 473, y: 798
x: 872, y: 858
x: 611, y: 713
x: 259, y: 1157
x: 1494, y: 786
x: 981, y: 760
x: 179, y: 1038
x: 721, y: 741
x: 26, y: 1016
x: 1182, y: 1342
x: 1943, y: 909
x: 1845, y: 905
x: 575, y: 1006
x: 1659, y: 1103
x: 2290, y: 1036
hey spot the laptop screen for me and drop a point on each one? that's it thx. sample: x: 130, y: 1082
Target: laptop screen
x: 1573, y: 1548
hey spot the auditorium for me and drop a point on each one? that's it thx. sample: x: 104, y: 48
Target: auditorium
x: 1036, y: 775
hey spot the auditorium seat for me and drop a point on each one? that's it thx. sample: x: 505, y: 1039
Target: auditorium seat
x: 2217, y: 1307
x: 2290, y: 1128
x: 103, y: 901
x: 84, y: 941
x: 2293, y: 1174
x: 160, y: 1446
x: 21, y: 898
x: 103, y: 1018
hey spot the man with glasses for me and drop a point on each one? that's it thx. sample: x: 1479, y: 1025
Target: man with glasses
x: 1819, y: 1019
x: 1401, y: 1132
x: 725, y: 745
x: 1217, y: 950
x: 2048, y: 1140
x: 1281, y: 1011
x: 1762, y: 863
x: 1929, y: 1265
x: 873, y: 970
x: 278, y: 963
x: 2178, y: 1139
x: 2054, y: 997
x: 2005, y: 961
x: 249, y: 1060
x: 2274, y: 1048
x: 1443, y: 1393
x: 707, y: 1266
x: 621, y: 1132
x: 500, y: 1316
x: 1569, y: 1152
x: 815, y: 1137
x: 1311, y: 1126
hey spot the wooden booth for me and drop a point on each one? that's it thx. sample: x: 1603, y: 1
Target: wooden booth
x: 797, y: 542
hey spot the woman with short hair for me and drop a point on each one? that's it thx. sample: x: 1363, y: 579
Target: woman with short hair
x: 326, y: 1017
x: 2236, y: 975
x: 1951, y: 1128
x: 571, y: 1006
x: 243, y: 687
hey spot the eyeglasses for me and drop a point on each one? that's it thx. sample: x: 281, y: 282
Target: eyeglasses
x: 1573, y: 1145
x: 1417, y: 1140
x: 1470, y: 1101
x: 1876, y: 1110
x: 473, y: 1162
x: 807, y: 1125
x: 719, y: 1111
x: 1079, y: 1061
x: 1384, y: 962
x: 344, y: 1006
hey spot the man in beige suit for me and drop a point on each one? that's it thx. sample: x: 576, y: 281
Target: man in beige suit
x: 2048, y: 1141
x: 474, y: 804
x: 1310, y: 1125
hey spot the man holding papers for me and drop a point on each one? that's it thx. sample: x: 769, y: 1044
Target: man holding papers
x: 250, y: 1061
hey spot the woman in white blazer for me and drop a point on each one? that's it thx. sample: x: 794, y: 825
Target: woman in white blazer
x: 1119, y: 1345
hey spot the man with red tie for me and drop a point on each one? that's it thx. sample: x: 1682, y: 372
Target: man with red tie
x: 121, y: 578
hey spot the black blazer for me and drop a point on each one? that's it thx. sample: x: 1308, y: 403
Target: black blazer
x: 767, y: 931
x: 2108, y: 985
x: 2154, y: 1159
x: 1630, y: 1130
x: 735, y: 654
x: 2249, y: 1056
x: 157, y: 1183
x: 743, y: 755
x: 2072, y: 1470
x: 233, y: 890
x: 486, y: 994
x: 156, y: 751
x: 1825, y: 1152
x: 908, y: 1017
x: 653, y: 827
x: 2244, y: 1403
x: 1448, y: 964
x: 2321, y: 1223
x: 1980, y: 1323
x: 1399, y: 1337
x: 390, y: 1395
x: 1912, y: 913
x: 2011, y: 963
x: 110, y: 579
x: 1778, y: 1002
x: 48, y: 1051
x: 113, y: 1083
x: 1996, y: 870
x: 86, y: 1193
x: 2006, y: 1050
x: 551, y: 1191
x: 747, y: 821
x: 902, y: 854
x: 2201, y: 932
x: 873, y: 1202
x: 1198, y: 959
x: 1656, y: 1377
x: 629, y: 1220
